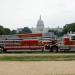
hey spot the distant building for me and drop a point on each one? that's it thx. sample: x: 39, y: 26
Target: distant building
x: 19, y: 29
x: 40, y: 28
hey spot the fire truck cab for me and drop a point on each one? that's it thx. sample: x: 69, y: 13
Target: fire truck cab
x: 68, y: 43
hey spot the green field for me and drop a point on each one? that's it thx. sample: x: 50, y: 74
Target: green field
x: 38, y: 57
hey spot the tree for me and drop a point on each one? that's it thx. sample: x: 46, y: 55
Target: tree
x: 68, y: 28
x: 25, y: 30
x: 2, y: 31
x: 13, y: 32
x: 7, y: 31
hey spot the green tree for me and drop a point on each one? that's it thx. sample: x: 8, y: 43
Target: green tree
x: 2, y: 30
x: 7, y: 31
x: 13, y: 32
x: 25, y: 30
x: 68, y: 28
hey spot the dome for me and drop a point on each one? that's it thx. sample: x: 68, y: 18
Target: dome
x: 40, y: 25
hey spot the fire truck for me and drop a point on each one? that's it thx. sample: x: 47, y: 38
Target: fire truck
x: 27, y: 42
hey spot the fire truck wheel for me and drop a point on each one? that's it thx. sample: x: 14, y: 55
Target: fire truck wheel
x: 54, y: 49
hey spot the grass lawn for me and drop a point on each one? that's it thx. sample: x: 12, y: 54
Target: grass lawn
x: 38, y: 57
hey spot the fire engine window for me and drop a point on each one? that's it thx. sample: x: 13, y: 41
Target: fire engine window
x: 73, y: 38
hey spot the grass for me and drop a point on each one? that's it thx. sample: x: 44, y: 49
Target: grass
x: 38, y: 57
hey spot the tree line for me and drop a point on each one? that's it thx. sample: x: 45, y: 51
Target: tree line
x: 7, y: 31
x: 66, y: 29
x: 25, y: 30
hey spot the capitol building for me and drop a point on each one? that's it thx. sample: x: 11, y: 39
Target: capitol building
x: 40, y: 28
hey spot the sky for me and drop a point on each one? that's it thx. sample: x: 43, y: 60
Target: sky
x: 25, y: 13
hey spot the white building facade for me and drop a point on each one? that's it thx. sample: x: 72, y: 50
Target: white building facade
x: 40, y: 28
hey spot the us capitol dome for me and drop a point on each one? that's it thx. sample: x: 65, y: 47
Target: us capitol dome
x: 40, y: 27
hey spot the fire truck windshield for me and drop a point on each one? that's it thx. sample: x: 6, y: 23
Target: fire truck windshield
x: 72, y: 37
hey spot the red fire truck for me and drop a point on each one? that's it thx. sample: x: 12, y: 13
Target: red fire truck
x: 36, y: 42
x: 27, y: 42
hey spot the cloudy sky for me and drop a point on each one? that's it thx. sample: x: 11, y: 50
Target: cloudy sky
x: 21, y: 13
